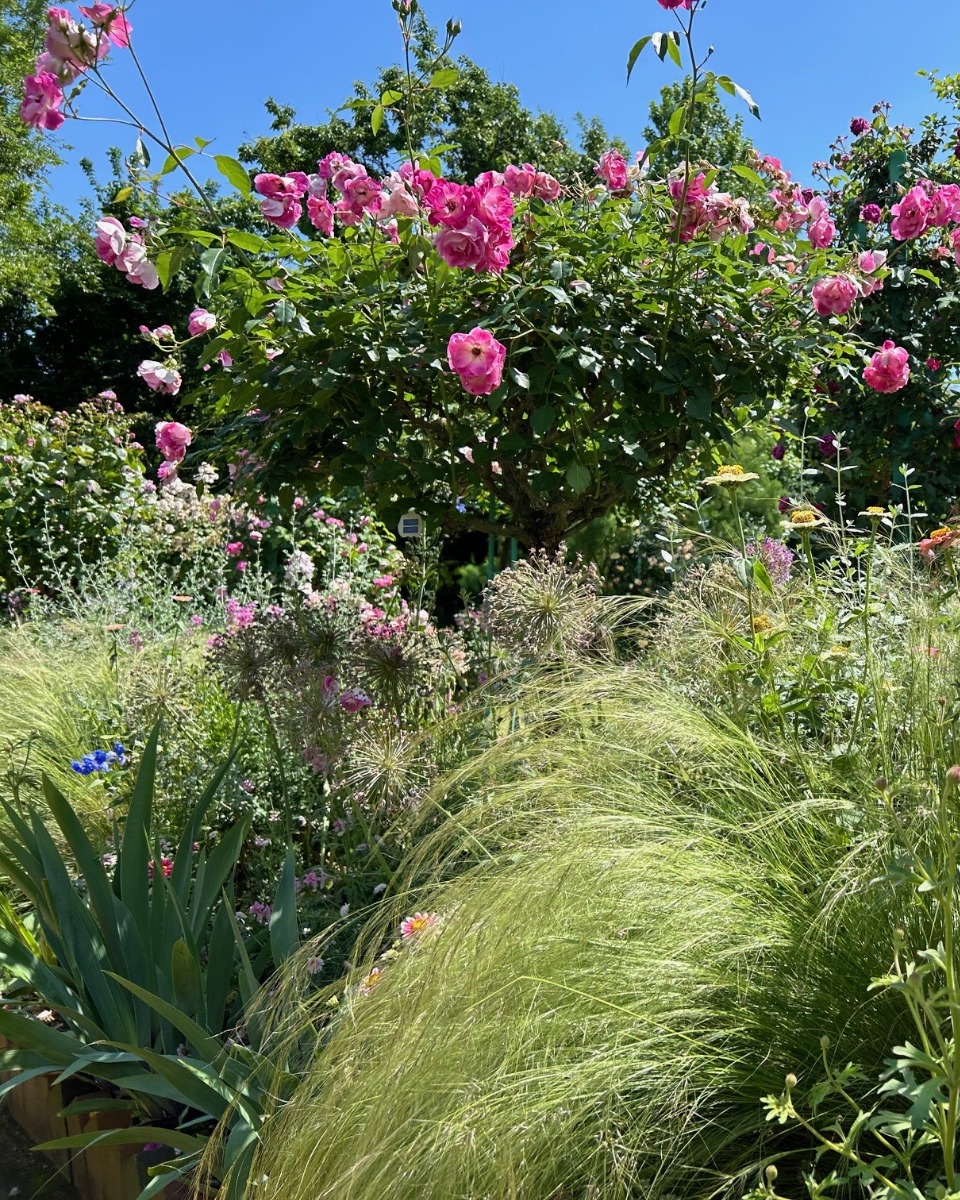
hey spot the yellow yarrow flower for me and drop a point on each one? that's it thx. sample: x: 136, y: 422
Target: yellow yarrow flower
x: 730, y: 476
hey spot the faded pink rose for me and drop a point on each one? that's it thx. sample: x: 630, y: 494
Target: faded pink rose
x: 478, y: 358
x: 109, y: 18
x: 464, y: 247
x: 159, y: 377
x: 173, y: 440
x: 42, y: 98
x: 281, y: 204
x: 820, y: 228
x: 888, y: 369
x: 545, y: 187
x: 398, y: 200
x: 201, y: 321
x: 68, y: 42
x: 612, y: 169
x: 111, y: 240
x: 320, y: 214
x: 488, y: 179
x: 834, y: 296
x: 519, y: 181
x: 911, y: 216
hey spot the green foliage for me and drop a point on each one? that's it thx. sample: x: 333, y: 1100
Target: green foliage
x: 70, y: 484
x: 713, y: 136
x: 918, y: 307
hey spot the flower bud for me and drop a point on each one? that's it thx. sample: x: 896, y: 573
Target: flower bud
x: 791, y: 1080
x: 824, y: 1042
x: 771, y: 1173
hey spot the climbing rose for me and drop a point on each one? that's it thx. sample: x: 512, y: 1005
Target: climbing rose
x: 109, y: 18
x: 859, y: 125
x: 834, y: 295
x: 612, y: 167
x: 820, y: 228
x: 912, y: 215
x: 173, y: 440
x: 463, y: 247
x: 159, y: 377
x: 477, y: 357
x: 545, y: 187
x: 519, y: 181
x: 870, y: 214
x: 201, y: 321
x: 281, y: 204
x: 43, y: 96
x: 670, y: 4
x: 320, y: 214
x: 888, y: 369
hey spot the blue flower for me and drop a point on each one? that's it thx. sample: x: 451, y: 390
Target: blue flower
x: 120, y: 753
x: 86, y: 767
x: 101, y: 760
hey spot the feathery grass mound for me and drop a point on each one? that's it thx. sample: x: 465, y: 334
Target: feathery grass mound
x: 646, y: 919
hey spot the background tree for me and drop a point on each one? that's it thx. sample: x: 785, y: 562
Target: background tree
x: 711, y: 136
x: 482, y: 122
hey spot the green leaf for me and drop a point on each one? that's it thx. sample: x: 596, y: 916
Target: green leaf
x: 678, y: 118
x: 376, y: 119
x: 638, y: 48
x: 139, y: 1135
x: 248, y: 241
x: 542, y: 419
x: 579, y: 477
x: 185, y: 975
x: 234, y: 172
x: 673, y: 48
x: 123, y: 194
x: 284, y: 311
x: 284, y: 938
x: 172, y: 161
x: 734, y: 89
x: 206, y: 1046
x: 390, y: 97
x: 444, y: 78
x: 521, y: 379
x: 747, y: 174
x: 134, y: 853
x: 762, y: 577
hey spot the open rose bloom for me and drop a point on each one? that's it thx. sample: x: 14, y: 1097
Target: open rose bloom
x: 478, y: 358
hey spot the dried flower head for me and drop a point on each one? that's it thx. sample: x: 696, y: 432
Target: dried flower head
x: 730, y: 476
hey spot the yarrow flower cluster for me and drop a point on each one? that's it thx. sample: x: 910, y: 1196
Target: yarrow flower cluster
x: 101, y: 760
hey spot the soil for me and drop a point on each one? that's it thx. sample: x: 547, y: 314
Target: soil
x: 24, y: 1174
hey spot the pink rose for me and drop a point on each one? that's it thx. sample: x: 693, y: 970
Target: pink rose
x: 545, y: 187
x: 820, y: 228
x: 111, y: 239
x: 69, y: 42
x: 945, y: 204
x: 109, y: 18
x: 363, y: 194
x: 888, y: 369
x: 495, y: 207
x: 42, y: 98
x: 159, y: 378
x: 201, y: 321
x: 173, y: 440
x: 671, y: 4
x: 478, y: 358
x: 499, y: 245
x: 398, y: 201
x: 450, y: 204
x: 328, y: 166
x: 234, y: 549
x: 834, y: 296
x: 612, y: 169
x: 320, y: 214
x: 911, y: 216
x: 519, y: 181
x: 464, y: 247
x: 488, y: 179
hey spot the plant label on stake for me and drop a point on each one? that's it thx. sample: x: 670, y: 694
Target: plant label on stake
x: 411, y: 525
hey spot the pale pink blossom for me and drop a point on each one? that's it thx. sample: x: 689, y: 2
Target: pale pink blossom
x: 320, y: 215
x: 111, y: 20
x: 201, y: 321
x: 545, y: 187
x: 488, y: 179
x: 519, y: 181
x: 820, y: 227
x: 159, y: 377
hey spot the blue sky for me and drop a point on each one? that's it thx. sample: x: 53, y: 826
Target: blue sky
x: 810, y: 67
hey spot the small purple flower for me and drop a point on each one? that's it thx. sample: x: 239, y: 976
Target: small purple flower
x: 870, y: 214
x: 827, y: 445
x: 859, y: 126
x: 778, y: 451
x: 776, y: 557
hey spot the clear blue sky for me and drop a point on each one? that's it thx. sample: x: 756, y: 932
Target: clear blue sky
x: 810, y: 67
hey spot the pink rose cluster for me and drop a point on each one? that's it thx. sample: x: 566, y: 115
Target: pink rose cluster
x: 889, y: 369
x: 477, y: 358
x: 925, y: 206
x: 474, y: 223
x: 796, y: 206
x: 70, y: 48
x: 834, y: 295
x: 704, y: 209
x: 125, y: 251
